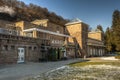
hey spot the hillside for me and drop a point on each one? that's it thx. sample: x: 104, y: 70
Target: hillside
x: 13, y: 10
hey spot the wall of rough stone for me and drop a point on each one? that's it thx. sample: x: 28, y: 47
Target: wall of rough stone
x: 95, y: 35
x: 80, y: 34
x: 9, y: 54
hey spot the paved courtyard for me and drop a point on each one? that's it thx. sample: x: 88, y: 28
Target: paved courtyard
x: 21, y: 71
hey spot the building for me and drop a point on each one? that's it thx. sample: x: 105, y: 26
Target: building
x: 87, y: 43
x: 42, y: 40
x: 95, y: 43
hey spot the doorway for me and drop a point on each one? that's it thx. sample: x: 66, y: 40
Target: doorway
x: 21, y: 58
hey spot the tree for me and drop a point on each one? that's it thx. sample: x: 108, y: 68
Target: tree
x: 108, y: 39
x: 116, y: 29
x: 31, y: 12
x: 100, y: 27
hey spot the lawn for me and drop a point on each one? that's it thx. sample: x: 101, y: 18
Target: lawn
x: 102, y: 70
x: 79, y: 64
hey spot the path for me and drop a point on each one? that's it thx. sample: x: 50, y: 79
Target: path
x: 20, y: 71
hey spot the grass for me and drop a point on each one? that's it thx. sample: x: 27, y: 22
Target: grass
x: 115, y: 63
x: 95, y: 69
x: 118, y: 53
x: 93, y: 72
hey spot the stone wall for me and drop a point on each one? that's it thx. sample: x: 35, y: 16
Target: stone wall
x: 78, y: 30
x: 9, y: 48
x: 95, y: 35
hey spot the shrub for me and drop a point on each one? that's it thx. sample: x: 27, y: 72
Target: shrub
x: 118, y: 53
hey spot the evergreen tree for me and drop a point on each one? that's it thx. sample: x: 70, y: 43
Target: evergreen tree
x: 116, y: 29
x: 100, y: 27
x: 108, y: 39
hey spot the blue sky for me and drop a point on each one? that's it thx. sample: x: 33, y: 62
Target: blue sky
x: 92, y: 12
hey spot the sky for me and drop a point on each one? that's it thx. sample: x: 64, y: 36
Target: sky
x: 92, y: 12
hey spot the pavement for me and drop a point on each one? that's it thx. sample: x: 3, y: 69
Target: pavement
x: 109, y: 58
x: 25, y: 70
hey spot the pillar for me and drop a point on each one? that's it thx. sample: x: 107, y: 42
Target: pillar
x: 94, y: 51
x: 88, y: 51
x: 35, y: 34
x: 91, y: 51
x: 101, y: 51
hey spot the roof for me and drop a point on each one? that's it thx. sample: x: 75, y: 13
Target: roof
x: 75, y: 21
x: 46, y: 31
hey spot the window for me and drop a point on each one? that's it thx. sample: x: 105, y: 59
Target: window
x: 29, y: 34
x: 22, y: 50
x: 29, y: 47
x: 18, y: 50
x: 12, y: 47
x: 58, y: 31
x: 57, y: 28
x: 35, y: 48
x: 5, y: 47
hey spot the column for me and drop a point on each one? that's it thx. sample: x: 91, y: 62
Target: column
x: 99, y: 51
x: 94, y: 50
x: 88, y: 53
x: 103, y: 51
x: 35, y: 34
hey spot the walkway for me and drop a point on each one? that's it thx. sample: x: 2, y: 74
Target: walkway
x: 21, y: 71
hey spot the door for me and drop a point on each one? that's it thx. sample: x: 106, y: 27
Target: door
x: 21, y: 53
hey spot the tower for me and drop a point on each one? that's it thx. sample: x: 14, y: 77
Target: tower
x: 79, y: 30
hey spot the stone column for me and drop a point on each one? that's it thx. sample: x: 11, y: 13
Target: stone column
x: 88, y: 51
x: 99, y: 51
x: 103, y: 51
x: 35, y: 34
x: 94, y: 51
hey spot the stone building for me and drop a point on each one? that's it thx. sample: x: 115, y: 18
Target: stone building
x: 87, y: 43
x: 33, y: 41
x: 95, y: 43
x: 41, y: 40
x: 79, y: 31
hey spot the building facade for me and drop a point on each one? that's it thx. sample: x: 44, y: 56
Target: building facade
x: 87, y: 43
x: 41, y: 40
x: 95, y: 43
